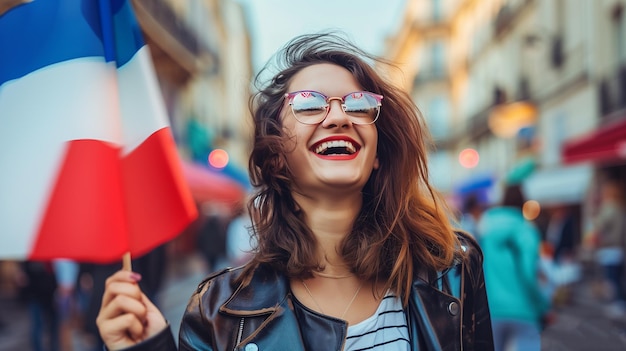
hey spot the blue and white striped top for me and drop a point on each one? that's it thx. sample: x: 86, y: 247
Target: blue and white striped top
x: 386, y: 329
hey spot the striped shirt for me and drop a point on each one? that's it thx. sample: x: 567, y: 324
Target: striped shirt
x: 385, y: 330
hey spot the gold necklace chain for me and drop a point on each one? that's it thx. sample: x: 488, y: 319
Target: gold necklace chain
x: 320, y: 307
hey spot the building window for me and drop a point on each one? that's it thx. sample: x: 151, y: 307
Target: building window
x: 438, y: 117
x: 438, y: 58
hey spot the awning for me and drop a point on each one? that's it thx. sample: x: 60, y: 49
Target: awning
x: 207, y: 185
x: 563, y: 185
x: 607, y: 144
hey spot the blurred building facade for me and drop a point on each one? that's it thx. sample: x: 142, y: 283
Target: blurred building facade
x: 538, y: 88
x: 201, y: 51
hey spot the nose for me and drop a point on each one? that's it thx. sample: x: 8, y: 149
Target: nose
x: 335, y: 116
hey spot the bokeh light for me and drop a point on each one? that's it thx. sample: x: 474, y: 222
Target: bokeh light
x: 218, y: 158
x: 469, y: 158
x: 531, y: 210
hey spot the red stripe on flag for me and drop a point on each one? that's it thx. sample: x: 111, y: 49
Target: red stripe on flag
x: 159, y: 204
x: 103, y: 206
x: 84, y: 219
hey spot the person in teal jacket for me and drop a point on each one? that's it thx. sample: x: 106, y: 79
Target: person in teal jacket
x: 511, y: 245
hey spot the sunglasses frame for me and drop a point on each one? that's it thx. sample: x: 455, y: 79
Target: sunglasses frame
x: 328, y: 99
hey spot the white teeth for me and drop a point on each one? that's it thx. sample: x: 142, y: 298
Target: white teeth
x: 335, y: 143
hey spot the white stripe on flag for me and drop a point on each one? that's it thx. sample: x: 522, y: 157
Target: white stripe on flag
x: 143, y: 111
x: 76, y: 99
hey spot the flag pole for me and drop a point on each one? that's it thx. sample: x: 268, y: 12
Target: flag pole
x: 126, y: 262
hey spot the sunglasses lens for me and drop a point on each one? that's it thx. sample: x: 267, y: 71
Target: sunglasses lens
x: 309, y: 107
x: 362, y: 107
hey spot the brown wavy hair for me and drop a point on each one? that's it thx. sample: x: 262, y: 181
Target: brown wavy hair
x: 403, y: 224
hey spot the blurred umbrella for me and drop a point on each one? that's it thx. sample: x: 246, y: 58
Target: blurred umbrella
x: 210, y: 186
x: 89, y: 166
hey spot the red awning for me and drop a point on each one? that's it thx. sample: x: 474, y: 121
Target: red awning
x: 607, y: 144
x: 207, y: 185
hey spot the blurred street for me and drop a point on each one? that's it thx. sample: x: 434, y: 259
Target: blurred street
x: 580, y: 325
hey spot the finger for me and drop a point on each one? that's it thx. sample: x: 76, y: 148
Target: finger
x: 155, y: 319
x: 121, y: 326
x: 122, y: 275
x: 136, y: 327
x: 123, y: 304
x: 115, y: 288
x: 149, y: 305
x: 122, y: 331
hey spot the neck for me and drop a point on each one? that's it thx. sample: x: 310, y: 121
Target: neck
x: 330, y: 221
x: 330, y: 212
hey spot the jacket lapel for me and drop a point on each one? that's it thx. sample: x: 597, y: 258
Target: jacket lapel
x: 267, y: 321
x: 435, y: 312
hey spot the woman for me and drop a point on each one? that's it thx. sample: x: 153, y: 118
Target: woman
x: 354, y: 249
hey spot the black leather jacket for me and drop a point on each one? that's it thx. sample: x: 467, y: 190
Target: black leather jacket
x: 447, y: 311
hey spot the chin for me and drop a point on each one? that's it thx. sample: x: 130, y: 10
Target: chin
x: 346, y: 184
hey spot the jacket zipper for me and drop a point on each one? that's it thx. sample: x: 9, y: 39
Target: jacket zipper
x: 239, y: 333
x: 462, y: 300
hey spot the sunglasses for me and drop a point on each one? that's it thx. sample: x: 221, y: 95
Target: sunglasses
x: 312, y: 107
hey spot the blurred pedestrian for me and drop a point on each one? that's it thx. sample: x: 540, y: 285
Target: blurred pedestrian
x: 354, y: 246
x: 511, y: 246
x: 610, y: 229
x: 66, y: 274
x: 239, y: 238
x: 562, y: 234
x: 559, y: 261
x: 211, y: 240
x: 472, y: 210
x: 38, y: 287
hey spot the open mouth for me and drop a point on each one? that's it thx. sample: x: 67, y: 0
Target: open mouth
x: 335, y: 147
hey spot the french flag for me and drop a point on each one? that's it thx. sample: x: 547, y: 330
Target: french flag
x: 88, y: 166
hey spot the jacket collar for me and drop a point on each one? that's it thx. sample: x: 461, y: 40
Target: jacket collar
x: 269, y: 288
x: 434, y: 313
x: 266, y: 291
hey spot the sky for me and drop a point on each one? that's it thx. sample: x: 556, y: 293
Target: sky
x: 273, y: 22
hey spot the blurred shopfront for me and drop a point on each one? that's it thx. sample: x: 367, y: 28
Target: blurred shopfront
x: 604, y: 147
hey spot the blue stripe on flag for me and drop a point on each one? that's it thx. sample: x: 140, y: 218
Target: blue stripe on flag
x: 45, y: 32
x: 128, y: 37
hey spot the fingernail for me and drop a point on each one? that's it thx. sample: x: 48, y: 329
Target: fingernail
x: 135, y: 276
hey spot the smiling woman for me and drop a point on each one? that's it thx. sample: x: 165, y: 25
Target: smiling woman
x: 353, y: 246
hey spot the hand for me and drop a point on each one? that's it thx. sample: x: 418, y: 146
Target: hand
x: 127, y: 316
